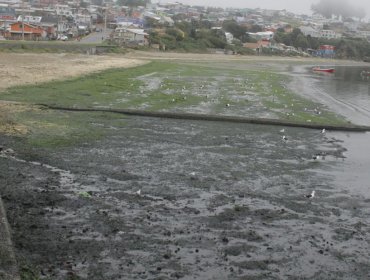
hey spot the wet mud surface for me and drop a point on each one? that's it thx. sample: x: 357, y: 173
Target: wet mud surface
x: 172, y: 199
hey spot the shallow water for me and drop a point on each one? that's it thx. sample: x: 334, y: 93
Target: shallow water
x: 347, y: 92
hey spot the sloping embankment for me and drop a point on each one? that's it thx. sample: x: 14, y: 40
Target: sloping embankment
x: 8, y: 264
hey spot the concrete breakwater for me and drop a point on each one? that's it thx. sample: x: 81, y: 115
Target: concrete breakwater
x: 216, y: 118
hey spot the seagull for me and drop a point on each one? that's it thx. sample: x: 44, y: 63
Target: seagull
x: 285, y: 138
x: 138, y: 192
x: 318, y: 157
x: 312, y: 195
x: 282, y: 130
x: 227, y: 105
x: 323, y: 130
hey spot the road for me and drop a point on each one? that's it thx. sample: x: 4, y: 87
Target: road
x: 97, y: 37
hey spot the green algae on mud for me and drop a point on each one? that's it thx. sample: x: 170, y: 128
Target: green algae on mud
x: 182, y: 87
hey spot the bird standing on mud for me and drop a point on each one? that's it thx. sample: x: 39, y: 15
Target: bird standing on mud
x: 312, y: 195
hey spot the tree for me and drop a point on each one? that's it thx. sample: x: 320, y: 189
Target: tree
x: 255, y: 28
x: 301, y: 42
x: 176, y: 33
x: 132, y: 3
x: 234, y: 28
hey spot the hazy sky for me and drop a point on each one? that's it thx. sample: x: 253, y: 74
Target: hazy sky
x: 296, y: 6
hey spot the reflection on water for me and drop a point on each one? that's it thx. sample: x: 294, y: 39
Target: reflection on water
x: 349, y: 85
x: 345, y: 92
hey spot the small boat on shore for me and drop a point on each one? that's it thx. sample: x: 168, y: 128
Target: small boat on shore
x: 326, y: 70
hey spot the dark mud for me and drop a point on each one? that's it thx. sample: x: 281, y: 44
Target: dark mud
x: 176, y: 199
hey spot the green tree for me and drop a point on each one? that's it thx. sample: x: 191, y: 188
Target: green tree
x: 234, y: 28
x: 255, y: 28
x: 132, y: 3
x: 176, y: 33
x: 301, y: 42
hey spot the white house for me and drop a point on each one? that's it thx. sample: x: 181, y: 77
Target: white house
x: 229, y: 37
x: 63, y: 10
x: 266, y: 35
x: 329, y: 34
x: 309, y: 31
x: 126, y: 36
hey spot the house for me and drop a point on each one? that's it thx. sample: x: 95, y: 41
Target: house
x: 7, y: 16
x: 47, y: 23
x: 309, y: 31
x: 258, y: 46
x: 126, y: 36
x: 329, y: 34
x: 229, y: 37
x: 266, y: 35
x: 28, y: 31
x: 327, y: 51
x: 63, y: 10
x: 6, y: 13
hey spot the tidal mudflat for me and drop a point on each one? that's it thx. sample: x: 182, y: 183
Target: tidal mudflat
x: 100, y: 196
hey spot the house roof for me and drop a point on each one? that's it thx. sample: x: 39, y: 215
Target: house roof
x: 251, y: 45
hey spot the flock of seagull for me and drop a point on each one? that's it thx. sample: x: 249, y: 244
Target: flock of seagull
x: 314, y: 157
x: 282, y: 131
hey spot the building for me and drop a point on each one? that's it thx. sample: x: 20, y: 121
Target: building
x: 327, y: 51
x: 7, y: 13
x: 126, y: 36
x: 266, y: 35
x: 329, y: 34
x: 28, y: 31
x: 309, y: 31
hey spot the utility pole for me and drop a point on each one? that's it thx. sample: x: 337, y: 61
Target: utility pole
x: 22, y: 21
x: 105, y: 20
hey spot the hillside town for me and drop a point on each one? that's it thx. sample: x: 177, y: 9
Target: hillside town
x: 152, y: 24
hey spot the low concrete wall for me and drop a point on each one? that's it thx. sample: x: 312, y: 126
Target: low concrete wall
x: 204, y: 117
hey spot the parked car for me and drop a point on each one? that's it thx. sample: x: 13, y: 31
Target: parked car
x: 62, y: 37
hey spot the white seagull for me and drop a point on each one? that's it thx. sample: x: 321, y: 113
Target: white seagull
x: 312, y: 195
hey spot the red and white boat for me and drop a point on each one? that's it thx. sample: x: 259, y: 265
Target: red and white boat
x: 326, y: 70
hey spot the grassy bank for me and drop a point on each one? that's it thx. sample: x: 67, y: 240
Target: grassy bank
x: 56, y: 47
